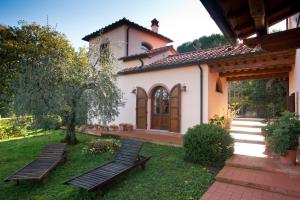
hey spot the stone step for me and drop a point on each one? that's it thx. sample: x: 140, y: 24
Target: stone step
x: 248, y: 123
x: 250, y: 119
x: 249, y: 149
x: 245, y: 132
x: 263, y: 164
x: 268, y: 181
x: 248, y: 138
x: 226, y: 191
x: 248, y: 126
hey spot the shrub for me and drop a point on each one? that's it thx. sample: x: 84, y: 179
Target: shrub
x: 48, y: 122
x: 208, y: 144
x: 14, y: 127
x: 102, y: 145
x: 285, y: 134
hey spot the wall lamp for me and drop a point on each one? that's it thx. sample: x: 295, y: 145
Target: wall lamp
x: 183, y: 88
x: 133, y: 91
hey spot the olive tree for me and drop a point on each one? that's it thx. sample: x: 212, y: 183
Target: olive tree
x: 54, y: 79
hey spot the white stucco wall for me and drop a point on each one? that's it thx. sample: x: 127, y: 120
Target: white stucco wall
x: 294, y: 75
x: 190, y: 102
x: 294, y: 81
x: 117, y: 40
x: 136, y: 37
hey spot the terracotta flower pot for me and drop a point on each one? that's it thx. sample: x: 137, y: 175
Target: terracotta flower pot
x: 129, y: 127
x: 290, y: 158
x: 267, y: 148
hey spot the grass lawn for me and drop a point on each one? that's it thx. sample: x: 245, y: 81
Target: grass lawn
x: 166, y: 175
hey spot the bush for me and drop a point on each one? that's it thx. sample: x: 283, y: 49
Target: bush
x: 14, y: 127
x: 208, y: 144
x: 285, y: 134
x: 48, y: 122
x: 102, y: 145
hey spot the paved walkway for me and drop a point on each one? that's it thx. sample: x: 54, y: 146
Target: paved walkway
x: 159, y: 137
x: 253, y: 178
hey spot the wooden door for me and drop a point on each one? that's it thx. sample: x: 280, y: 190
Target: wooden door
x: 175, y: 108
x: 141, y: 108
x: 160, y: 108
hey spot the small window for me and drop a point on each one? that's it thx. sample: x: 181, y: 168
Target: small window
x: 104, y: 45
x: 146, y: 46
x: 219, y: 86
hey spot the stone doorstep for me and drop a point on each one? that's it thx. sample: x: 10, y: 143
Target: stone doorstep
x: 263, y: 164
x: 278, y: 183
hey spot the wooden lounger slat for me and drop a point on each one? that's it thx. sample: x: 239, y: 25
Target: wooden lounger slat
x: 125, y: 160
x: 50, y: 157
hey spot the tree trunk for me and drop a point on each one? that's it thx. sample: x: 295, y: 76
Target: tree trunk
x: 70, y: 134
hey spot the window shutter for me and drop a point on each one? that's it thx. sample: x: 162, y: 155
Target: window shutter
x: 175, y: 108
x: 141, y: 108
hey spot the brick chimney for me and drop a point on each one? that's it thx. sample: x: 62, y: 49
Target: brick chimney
x: 154, y: 25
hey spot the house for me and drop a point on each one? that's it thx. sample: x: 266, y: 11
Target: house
x: 167, y: 91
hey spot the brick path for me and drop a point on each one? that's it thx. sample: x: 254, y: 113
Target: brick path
x: 246, y: 177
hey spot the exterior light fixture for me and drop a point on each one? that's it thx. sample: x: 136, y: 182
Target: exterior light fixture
x: 133, y: 91
x: 183, y: 87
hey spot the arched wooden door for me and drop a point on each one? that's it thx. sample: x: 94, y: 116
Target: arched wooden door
x: 141, y: 108
x: 175, y: 108
x: 160, y: 108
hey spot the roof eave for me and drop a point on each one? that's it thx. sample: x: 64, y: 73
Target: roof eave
x: 216, y: 14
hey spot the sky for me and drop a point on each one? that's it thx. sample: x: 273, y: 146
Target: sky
x: 180, y: 20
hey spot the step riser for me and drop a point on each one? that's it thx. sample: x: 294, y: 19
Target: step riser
x: 249, y: 119
x: 246, y: 126
x: 249, y: 141
x: 259, y: 186
x: 245, y: 132
x: 259, y: 169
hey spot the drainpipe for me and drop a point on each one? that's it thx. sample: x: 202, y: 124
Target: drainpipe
x: 127, y: 40
x: 201, y: 93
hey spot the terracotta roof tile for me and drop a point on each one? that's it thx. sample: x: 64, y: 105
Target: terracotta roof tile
x: 121, y: 22
x: 196, y: 57
x: 149, y: 53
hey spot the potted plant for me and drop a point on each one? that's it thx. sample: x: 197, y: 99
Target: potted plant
x: 122, y: 127
x: 113, y: 127
x: 284, y: 138
x: 129, y: 127
x: 233, y: 110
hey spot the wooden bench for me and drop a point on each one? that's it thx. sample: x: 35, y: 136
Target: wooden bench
x: 50, y: 157
x: 126, y: 159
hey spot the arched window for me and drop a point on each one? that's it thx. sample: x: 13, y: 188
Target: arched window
x: 219, y: 86
x: 146, y: 46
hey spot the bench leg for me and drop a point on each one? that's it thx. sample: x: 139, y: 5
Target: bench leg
x: 45, y: 179
x: 143, y: 165
x: 17, y: 182
x: 101, y: 192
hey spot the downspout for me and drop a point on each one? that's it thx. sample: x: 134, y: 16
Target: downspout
x: 201, y: 93
x: 127, y: 40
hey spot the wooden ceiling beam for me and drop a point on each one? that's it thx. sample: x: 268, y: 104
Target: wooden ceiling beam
x: 238, y: 13
x: 256, y: 71
x: 283, y: 40
x: 258, y: 13
x: 256, y: 77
